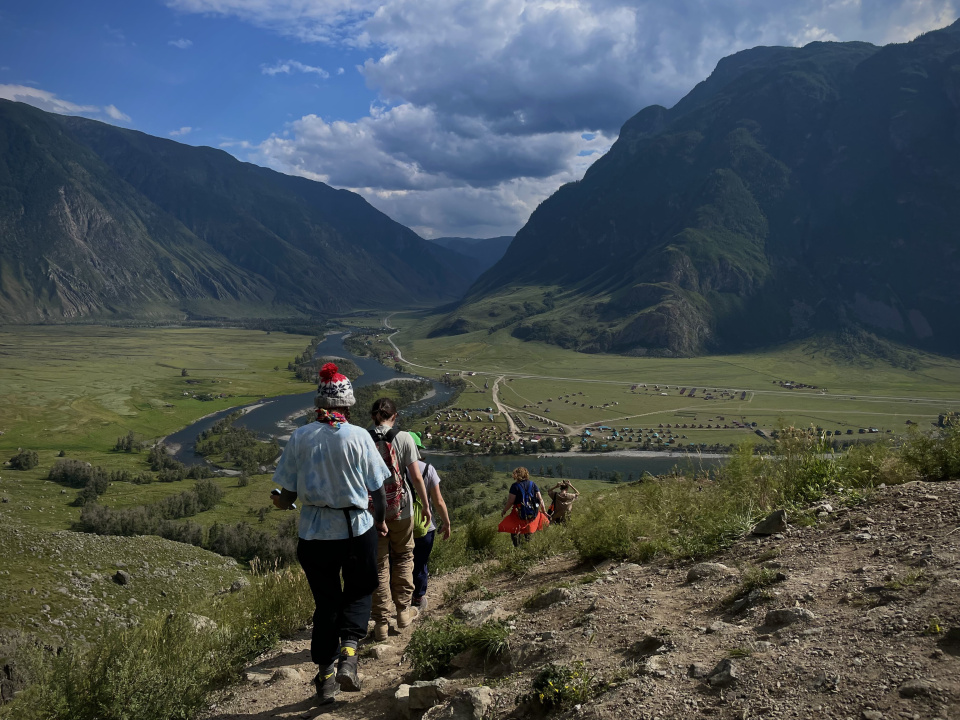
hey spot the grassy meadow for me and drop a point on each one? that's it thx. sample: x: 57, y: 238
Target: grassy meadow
x: 77, y: 389
x: 849, y: 395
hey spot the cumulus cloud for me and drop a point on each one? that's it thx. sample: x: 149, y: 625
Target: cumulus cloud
x: 408, y: 147
x: 51, y: 103
x: 288, y: 67
x: 182, y: 43
x: 492, y: 101
x: 185, y: 130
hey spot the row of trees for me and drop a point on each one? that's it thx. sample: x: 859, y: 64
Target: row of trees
x: 238, y: 445
x: 150, y: 519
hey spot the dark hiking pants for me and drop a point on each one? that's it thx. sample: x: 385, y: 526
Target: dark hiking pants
x: 342, y: 613
x: 422, y: 547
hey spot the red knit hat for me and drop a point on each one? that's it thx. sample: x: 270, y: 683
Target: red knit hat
x: 334, y: 389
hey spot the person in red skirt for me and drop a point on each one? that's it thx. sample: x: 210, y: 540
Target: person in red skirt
x: 526, y: 516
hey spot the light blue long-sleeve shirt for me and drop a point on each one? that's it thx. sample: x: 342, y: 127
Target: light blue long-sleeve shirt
x: 331, y: 468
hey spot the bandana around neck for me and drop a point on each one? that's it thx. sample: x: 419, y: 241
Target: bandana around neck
x: 331, y: 417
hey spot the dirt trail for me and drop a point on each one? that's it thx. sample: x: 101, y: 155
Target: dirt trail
x: 878, y: 580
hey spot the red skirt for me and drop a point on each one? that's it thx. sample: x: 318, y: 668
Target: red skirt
x: 515, y: 526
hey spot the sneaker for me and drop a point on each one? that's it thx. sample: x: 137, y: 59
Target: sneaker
x: 347, y: 670
x: 381, y: 631
x: 327, y: 686
x: 407, y: 616
x: 420, y: 603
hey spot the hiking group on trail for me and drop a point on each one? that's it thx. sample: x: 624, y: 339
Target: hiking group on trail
x: 367, y: 524
x: 363, y: 501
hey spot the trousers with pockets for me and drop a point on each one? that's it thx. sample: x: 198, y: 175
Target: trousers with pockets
x: 395, y: 570
x: 343, y: 607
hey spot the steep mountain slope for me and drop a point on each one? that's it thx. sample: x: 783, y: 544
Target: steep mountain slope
x: 483, y: 251
x: 99, y: 220
x: 796, y: 190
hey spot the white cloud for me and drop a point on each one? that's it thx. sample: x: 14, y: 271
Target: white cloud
x: 308, y: 20
x: 113, y: 112
x: 229, y: 144
x: 182, y: 43
x: 288, y: 67
x: 51, y: 103
x: 185, y: 130
x: 483, y: 104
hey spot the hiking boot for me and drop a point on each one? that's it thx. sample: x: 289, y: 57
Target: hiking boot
x: 406, y: 617
x: 347, y: 670
x: 381, y: 631
x: 327, y: 686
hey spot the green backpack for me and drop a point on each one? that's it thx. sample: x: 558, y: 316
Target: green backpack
x: 420, y: 525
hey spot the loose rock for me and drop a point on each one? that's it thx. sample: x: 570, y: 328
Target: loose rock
x: 425, y: 694
x: 918, y: 688
x: 788, y: 616
x: 775, y: 522
x: 551, y: 597
x: 287, y: 674
x: 470, y: 704
x: 724, y: 675
x: 477, y: 613
x: 702, y: 571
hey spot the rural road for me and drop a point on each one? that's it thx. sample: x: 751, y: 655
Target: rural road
x: 750, y: 392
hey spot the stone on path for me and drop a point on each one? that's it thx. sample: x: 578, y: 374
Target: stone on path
x: 478, y: 612
x: 470, y: 704
x: 287, y: 674
x: 551, y: 597
x: 787, y: 616
x: 424, y: 694
x: 703, y: 571
x: 918, y: 688
x: 724, y: 675
x: 775, y: 522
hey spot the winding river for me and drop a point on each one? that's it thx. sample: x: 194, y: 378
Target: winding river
x: 270, y: 417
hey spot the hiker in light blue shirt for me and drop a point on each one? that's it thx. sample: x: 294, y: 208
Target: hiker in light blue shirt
x: 317, y: 452
x: 335, y: 471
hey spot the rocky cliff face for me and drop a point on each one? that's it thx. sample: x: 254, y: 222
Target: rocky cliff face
x: 96, y: 220
x: 796, y: 190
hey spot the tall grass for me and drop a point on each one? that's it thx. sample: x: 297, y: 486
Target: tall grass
x: 163, y: 668
x: 687, y: 517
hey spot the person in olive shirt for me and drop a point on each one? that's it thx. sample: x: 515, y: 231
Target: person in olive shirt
x: 395, y: 551
x: 562, y: 496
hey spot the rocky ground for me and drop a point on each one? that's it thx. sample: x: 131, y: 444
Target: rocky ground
x: 854, y: 613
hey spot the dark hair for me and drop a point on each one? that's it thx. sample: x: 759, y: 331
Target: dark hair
x: 383, y: 409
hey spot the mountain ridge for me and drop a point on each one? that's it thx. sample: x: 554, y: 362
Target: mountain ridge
x: 794, y: 191
x: 104, y: 221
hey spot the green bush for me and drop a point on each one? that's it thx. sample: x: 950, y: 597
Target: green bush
x: 933, y: 456
x: 25, y: 460
x: 558, y: 686
x: 163, y: 668
x: 434, y: 644
x: 481, y: 535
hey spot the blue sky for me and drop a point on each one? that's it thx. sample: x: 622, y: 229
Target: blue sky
x: 455, y: 117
